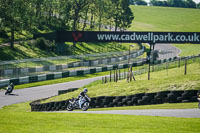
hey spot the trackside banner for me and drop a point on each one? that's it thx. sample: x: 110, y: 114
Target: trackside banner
x: 129, y: 37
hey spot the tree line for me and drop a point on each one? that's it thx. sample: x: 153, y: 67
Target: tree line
x: 50, y: 15
x: 168, y: 3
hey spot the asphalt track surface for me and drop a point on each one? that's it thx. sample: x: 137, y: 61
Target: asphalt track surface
x: 34, y: 93
x: 183, y: 113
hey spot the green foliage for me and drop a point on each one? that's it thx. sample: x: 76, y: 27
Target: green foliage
x: 174, y: 3
x: 44, y: 44
x: 138, y: 2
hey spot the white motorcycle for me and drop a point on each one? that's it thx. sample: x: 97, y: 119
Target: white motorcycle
x: 74, y: 104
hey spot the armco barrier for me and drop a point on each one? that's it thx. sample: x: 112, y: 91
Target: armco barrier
x: 56, y: 75
x: 178, y: 96
x: 71, y: 65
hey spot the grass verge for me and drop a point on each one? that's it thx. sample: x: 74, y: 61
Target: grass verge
x: 17, y: 118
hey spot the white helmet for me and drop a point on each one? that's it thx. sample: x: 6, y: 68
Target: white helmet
x: 85, y: 90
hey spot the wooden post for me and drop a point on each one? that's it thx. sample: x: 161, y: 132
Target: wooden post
x: 133, y: 75
x: 167, y: 68
x: 130, y: 73
x: 119, y: 75
x: 110, y: 76
x: 149, y: 69
x: 185, y: 67
x: 124, y: 73
x: 114, y: 75
x: 179, y: 62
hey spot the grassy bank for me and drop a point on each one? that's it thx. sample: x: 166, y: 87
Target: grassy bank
x: 188, y: 49
x: 154, y: 18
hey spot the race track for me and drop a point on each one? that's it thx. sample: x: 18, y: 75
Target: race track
x: 34, y: 93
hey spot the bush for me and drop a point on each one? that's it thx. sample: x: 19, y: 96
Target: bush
x: 44, y: 44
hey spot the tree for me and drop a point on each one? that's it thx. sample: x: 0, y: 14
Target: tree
x: 140, y: 2
x: 127, y: 15
x: 176, y: 3
x: 198, y: 5
x: 190, y: 4
x: 14, y: 15
x: 78, y: 6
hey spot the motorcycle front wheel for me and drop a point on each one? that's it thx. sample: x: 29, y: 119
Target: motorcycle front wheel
x: 70, y: 107
x: 85, y: 106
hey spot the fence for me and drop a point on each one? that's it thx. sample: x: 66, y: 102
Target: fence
x: 130, y: 72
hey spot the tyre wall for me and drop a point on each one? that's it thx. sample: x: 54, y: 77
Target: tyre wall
x: 180, y: 96
x: 66, y: 91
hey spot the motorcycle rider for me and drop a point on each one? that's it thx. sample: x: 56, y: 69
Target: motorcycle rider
x: 9, y: 88
x: 81, y: 96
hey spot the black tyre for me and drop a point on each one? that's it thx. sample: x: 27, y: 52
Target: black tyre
x: 85, y: 106
x: 146, y: 98
x: 177, y: 93
x: 151, y: 95
x: 139, y: 95
x: 130, y: 103
x: 191, y: 92
x: 70, y: 107
x: 171, y: 98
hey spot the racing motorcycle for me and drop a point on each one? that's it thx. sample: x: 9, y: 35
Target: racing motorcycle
x: 9, y: 89
x: 74, y: 104
x: 198, y: 98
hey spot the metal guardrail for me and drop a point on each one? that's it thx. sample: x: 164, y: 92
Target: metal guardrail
x: 83, y: 64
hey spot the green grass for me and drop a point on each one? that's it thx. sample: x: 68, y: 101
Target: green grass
x: 188, y: 49
x: 23, y: 51
x: 18, y: 119
x: 154, y: 18
x: 174, y: 80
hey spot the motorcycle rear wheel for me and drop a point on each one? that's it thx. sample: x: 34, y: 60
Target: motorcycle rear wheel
x: 70, y: 107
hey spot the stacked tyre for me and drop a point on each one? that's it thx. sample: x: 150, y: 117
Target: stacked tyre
x: 147, y: 99
x: 188, y: 96
x: 161, y: 97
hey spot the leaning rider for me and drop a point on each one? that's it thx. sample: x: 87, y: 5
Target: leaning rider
x: 81, y: 96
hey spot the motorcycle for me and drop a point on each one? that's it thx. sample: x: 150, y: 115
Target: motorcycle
x: 9, y: 89
x: 74, y: 104
x: 198, y: 98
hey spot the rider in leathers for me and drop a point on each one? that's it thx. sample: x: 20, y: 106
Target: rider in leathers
x: 82, y: 95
